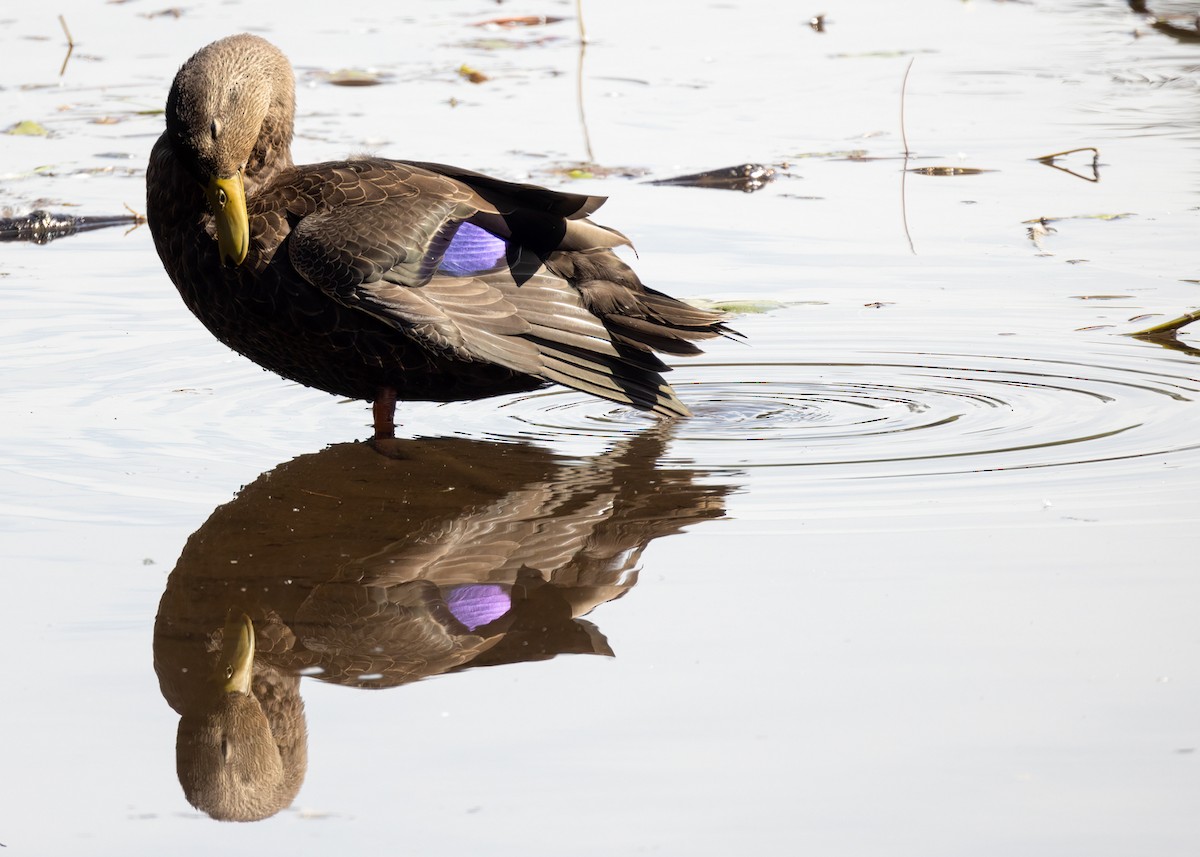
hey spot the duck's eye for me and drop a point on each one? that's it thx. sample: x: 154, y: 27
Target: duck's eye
x: 215, y: 128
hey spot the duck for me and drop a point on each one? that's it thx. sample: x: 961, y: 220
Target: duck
x: 388, y: 280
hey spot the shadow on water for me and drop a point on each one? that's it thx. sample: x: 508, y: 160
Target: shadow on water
x: 373, y: 571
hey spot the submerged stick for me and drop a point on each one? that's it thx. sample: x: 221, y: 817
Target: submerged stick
x: 903, y: 90
x: 579, y: 18
x: 587, y: 138
x: 904, y: 169
x: 70, y: 45
x: 1168, y: 328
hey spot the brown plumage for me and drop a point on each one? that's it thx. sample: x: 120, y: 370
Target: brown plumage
x: 350, y: 567
x: 362, y: 277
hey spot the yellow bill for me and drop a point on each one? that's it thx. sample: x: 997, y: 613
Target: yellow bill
x: 227, y: 199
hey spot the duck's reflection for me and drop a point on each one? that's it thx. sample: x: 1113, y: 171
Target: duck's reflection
x: 373, y: 571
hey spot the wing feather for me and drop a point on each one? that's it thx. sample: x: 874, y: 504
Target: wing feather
x: 563, y: 308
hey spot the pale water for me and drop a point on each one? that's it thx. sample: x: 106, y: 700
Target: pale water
x: 919, y: 577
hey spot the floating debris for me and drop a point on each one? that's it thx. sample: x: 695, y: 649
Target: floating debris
x: 27, y: 128
x: 744, y: 177
x: 1049, y: 160
x: 520, y: 21
x: 1045, y: 220
x: 1036, y: 230
x: 472, y: 74
x: 750, y: 306
x: 817, y: 22
x: 70, y: 46
x: 948, y: 171
x: 42, y: 227
x: 353, y: 77
x: 1168, y: 329
x: 842, y: 154
x: 1187, y: 32
x: 587, y: 170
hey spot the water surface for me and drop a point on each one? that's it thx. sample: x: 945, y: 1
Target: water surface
x: 939, y: 596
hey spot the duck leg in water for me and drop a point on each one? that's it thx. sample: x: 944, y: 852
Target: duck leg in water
x: 383, y: 410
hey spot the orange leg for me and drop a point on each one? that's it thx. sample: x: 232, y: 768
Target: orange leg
x: 384, y: 412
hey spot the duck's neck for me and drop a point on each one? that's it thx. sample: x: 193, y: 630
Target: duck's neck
x: 273, y: 151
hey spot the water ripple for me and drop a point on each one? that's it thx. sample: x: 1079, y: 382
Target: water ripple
x: 899, y: 414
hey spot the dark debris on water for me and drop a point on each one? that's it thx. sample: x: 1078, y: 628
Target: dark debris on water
x: 42, y: 227
x: 744, y: 177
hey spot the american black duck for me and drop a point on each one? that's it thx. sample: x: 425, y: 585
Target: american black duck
x: 381, y: 280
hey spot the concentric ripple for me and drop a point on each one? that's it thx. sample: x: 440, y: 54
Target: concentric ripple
x: 897, y: 414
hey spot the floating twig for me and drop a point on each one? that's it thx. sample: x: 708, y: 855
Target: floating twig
x: 1188, y: 33
x: 1168, y: 329
x: 138, y: 218
x: 1049, y: 160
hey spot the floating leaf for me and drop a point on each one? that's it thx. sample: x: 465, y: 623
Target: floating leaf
x: 587, y: 170
x: 845, y: 154
x: 472, y: 74
x: 881, y: 54
x: 519, y: 21
x: 492, y: 43
x: 354, y: 77
x: 27, y: 128
x: 747, y: 306
x: 1044, y: 220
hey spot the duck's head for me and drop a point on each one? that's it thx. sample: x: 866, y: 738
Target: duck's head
x: 227, y: 758
x: 229, y: 114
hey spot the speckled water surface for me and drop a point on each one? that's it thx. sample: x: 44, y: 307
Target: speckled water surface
x: 917, y: 578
